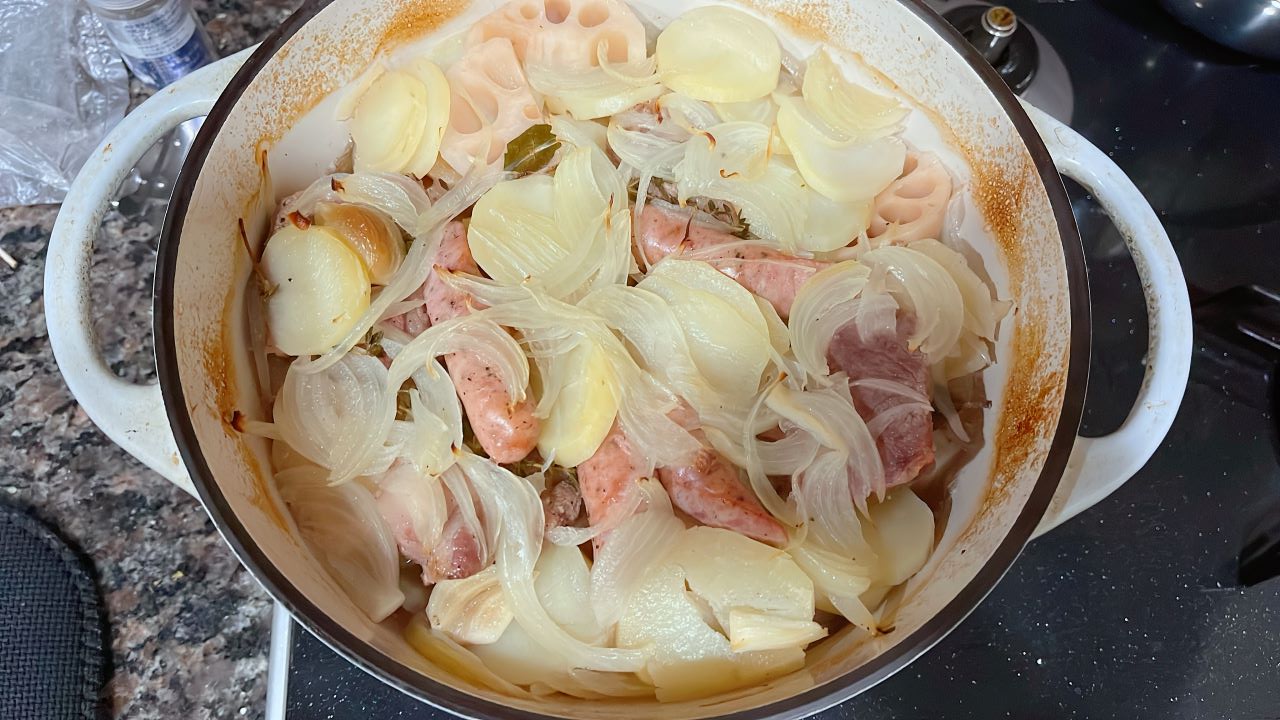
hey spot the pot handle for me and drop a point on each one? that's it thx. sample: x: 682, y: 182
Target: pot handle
x: 132, y: 415
x: 1098, y: 466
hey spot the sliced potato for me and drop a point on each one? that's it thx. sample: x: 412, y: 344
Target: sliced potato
x: 584, y: 409
x: 690, y: 659
x: 900, y: 532
x: 719, y: 54
x: 322, y: 289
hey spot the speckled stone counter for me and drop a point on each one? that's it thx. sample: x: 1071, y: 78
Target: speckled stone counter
x: 189, y: 626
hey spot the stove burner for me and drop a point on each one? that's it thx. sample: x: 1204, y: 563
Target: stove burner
x: 1006, y: 44
x: 1026, y: 61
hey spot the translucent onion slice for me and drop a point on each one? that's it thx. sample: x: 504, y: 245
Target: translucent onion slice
x: 321, y: 289
x: 472, y: 333
x: 428, y: 229
x: 826, y: 302
x: 719, y: 54
x: 400, y: 198
x: 847, y: 107
x: 841, y: 168
x: 754, y: 630
x: 640, y: 542
x: 838, y: 582
x: 519, y: 545
x: 726, y: 333
x: 512, y: 233
x: 982, y: 312
x: 560, y: 235
x: 923, y: 285
x: 339, y: 418
x: 370, y: 233
x: 828, y: 414
x: 342, y: 527
x: 550, y: 329
x: 596, y: 92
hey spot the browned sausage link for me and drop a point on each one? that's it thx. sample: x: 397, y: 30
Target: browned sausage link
x: 506, y: 431
x: 457, y: 555
x: 607, y: 478
x: 773, y: 275
x: 710, y: 491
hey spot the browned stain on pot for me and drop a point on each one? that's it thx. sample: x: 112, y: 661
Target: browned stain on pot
x: 418, y: 19
x: 216, y: 359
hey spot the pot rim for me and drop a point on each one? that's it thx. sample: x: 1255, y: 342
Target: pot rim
x: 820, y: 697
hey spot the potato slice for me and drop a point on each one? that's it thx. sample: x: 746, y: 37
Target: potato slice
x: 321, y: 289
x: 690, y: 658
x: 719, y: 54
x: 900, y: 531
x: 584, y: 408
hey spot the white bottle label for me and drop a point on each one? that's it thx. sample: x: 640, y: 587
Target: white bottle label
x: 163, y: 31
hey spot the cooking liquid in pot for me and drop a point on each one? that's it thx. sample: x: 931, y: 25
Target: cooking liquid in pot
x: 675, y: 556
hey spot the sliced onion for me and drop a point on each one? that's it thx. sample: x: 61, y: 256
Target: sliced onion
x: 519, y: 545
x: 409, y: 497
x: 485, y: 533
x: 982, y: 312
x: 843, y: 169
x: 726, y: 333
x: 828, y: 414
x: 719, y: 54
x: 399, y: 197
x: 550, y: 328
x: 826, y: 302
x: 847, y: 107
x: 339, y: 418
x: 599, y: 91
x: 560, y: 235
x: 923, y: 285
x: 470, y: 333
x: 342, y: 527
x: 429, y: 229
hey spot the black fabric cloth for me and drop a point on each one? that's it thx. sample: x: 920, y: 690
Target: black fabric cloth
x: 51, y: 633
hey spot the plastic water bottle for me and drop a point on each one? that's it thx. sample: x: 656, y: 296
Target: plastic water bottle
x: 160, y: 40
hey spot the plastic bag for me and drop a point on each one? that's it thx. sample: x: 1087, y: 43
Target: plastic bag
x: 62, y: 88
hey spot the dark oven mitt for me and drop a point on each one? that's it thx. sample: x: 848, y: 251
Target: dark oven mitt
x: 51, y: 632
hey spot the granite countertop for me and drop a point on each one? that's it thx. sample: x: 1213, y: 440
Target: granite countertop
x: 189, y: 626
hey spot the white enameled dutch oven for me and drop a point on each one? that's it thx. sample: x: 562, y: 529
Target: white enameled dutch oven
x: 1033, y: 473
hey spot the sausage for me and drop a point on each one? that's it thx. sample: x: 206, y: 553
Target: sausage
x: 770, y: 274
x: 607, y: 478
x: 507, y: 432
x: 561, y: 500
x: 708, y: 489
x: 456, y: 555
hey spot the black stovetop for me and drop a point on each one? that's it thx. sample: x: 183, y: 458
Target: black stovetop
x: 1131, y: 610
